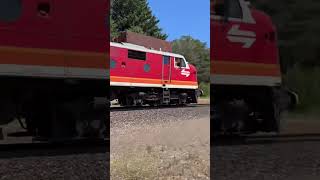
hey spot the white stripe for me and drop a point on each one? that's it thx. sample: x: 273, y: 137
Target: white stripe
x: 181, y: 86
x: 152, y: 85
x: 112, y: 83
x: 245, y: 80
x: 31, y: 70
x: 88, y: 73
x: 52, y: 71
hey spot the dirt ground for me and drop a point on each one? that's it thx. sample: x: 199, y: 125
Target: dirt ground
x: 204, y: 101
x: 301, y: 124
x: 168, y: 150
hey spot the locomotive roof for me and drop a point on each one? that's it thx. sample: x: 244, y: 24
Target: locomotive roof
x: 144, y: 49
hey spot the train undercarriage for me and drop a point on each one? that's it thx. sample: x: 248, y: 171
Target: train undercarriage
x: 246, y: 110
x: 56, y: 109
x: 138, y: 96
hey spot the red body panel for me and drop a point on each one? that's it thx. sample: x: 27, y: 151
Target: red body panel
x: 244, y: 51
x: 73, y: 35
x: 128, y: 70
x: 262, y: 51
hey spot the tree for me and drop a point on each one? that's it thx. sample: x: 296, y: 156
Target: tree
x: 196, y: 53
x: 135, y: 16
x: 113, y: 29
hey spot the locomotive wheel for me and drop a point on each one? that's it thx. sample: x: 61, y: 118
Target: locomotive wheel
x: 122, y: 101
x: 89, y: 119
x: 92, y: 125
x: 154, y: 103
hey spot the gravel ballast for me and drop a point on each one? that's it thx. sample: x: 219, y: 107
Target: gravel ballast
x: 163, y: 143
x: 282, y: 158
x: 285, y: 161
x: 55, y: 164
x: 78, y: 167
x: 125, y: 118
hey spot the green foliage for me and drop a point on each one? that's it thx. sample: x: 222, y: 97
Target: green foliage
x: 206, y: 88
x: 135, y: 16
x: 113, y: 29
x: 305, y: 82
x: 196, y: 53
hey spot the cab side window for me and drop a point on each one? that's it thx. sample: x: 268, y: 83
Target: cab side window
x: 137, y: 55
x: 10, y: 10
x: 234, y: 9
x: 229, y: 8
x: 179, y: 62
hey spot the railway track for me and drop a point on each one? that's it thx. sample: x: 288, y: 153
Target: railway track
x: 265, y: 139
x: 133, y: 108
x: 72, y: 147
x: 293, y: 154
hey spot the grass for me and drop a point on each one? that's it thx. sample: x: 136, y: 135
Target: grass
x: 134, y: 166
x: 306, y: 84
x: 159, y: 163
x: 206, y: 89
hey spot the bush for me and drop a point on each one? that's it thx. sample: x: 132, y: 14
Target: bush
x: 304, y: 81
x: 206, y: 89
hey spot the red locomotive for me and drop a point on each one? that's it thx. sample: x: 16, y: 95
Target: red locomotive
x: 141, y: 75
x: 54, y: 66
x: 246, y: 87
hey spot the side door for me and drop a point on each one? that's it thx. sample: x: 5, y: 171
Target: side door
x: 166, y: 69
x: 233, y: 37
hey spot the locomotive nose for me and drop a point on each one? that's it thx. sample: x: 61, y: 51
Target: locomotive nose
x: 193, y: 69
